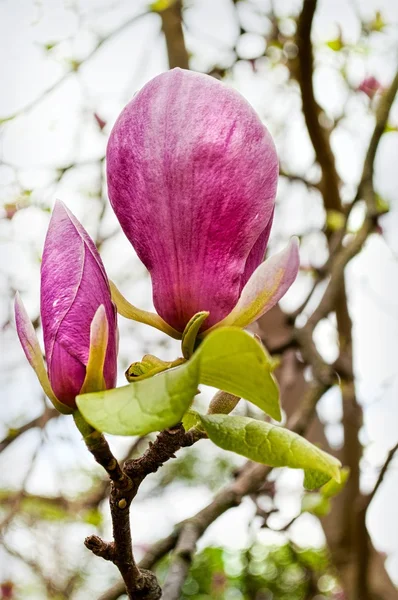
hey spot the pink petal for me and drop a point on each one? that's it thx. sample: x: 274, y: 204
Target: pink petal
x: 73, y: 286
x: 268, y: 284
x: 30, y: 344
x: 192, y: 176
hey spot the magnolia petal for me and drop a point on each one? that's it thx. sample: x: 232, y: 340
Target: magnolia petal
x: 268, y: 284
x: 73, y: 285
x: 192, y: 175
x: 129, y: 311
x: 94, y: 380
x: 30, y: 344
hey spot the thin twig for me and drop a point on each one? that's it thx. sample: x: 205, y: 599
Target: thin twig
x: 41, y: 422
x: 382, y: 474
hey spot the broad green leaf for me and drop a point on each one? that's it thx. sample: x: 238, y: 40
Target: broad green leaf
x: 229, y: 359
x: 233, y: 361
x: 313, y: 479
x: 268, y: 444
x: 148, y: 405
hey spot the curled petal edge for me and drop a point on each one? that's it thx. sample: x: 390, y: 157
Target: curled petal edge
x: 94, y: 380
x: 267, y: 285
x: 129, y: 311
x: 31, y: 347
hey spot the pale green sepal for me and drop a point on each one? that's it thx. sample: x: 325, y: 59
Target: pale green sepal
x: 266, y: 286
x: 94, y: 380
x: 144, y: 406
x: 129, y: 311
x: 191, y: 332
x: 150, y: 365
x: 233, y: 361
x: 30, y: 344
x: 268, y: 444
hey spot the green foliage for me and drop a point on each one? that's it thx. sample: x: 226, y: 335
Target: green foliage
x: 269, y: 444
x: 233, y: 361
x: 319, y: 503
x: 144, y: 406
x: 191, y: 468
x: 229, y: 359
x: 257, y: 573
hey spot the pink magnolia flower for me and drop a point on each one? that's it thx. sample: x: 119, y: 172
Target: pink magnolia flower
x: 78, y: 315
x: 192, y: 177
x: 370, y: 86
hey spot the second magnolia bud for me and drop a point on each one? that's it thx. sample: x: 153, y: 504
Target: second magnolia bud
x: 222, y: 403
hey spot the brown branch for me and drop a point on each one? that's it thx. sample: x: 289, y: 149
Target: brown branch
x: 187, y: 533
x: 172, y: 28
x: 382, y: 474
x: 41, y: 422
x: 139, y: 582
x: 351, y: 545
x: 366, y: 189
x: 181, y: 561
x: 312, y: 111
x: 298, y: 179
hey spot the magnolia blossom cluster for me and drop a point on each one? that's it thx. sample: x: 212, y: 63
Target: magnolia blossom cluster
x: 192, y: 176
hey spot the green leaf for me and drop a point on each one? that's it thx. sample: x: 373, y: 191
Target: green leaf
x: 148, y: 405
x: 228, y: 359
x: 313, y: 480
x: 233, y: 361
x: 268, y: 444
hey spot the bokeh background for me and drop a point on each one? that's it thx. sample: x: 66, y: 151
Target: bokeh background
x: 67, y: 70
